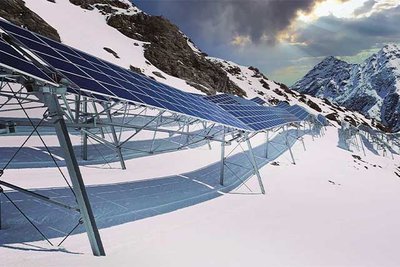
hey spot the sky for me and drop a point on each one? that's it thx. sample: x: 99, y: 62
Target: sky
x: 283, y: 38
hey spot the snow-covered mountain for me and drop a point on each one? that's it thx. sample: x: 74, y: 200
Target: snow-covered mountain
x: 332, y: 208
x: 119, y: 32
x: 371, y: 88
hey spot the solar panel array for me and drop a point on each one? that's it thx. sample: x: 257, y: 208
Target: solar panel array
x: 14, y: 60
x: 94, y: 77
x: 100, y: 79
x: 260, y: 117
x: 258, y: 100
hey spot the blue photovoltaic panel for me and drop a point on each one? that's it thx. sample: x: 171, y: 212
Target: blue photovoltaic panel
x: 243, y: 101
x: 101, y: 79
x: 222, y: 99
x: 298, y: 112
x: 322, y: 119
x: 282, y: 104
x: 228, y: 99
x: 11, y: 59
x: 260, y: 117
x: 258, y: 100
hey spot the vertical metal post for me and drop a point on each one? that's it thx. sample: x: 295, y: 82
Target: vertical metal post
x: 362, y: 143
x: 84, y: 134
x: 208, y: 141
x: 1, y: 191
x: 77, y: 107
x: 115, y: 139
x: 187, y: 131
x: 288, y: 145
x: 254, y: 163
x: 75, y: 174
x: 266, y: 144
x: 154, y: 135
x: 221, y: 177
x: 311, y: 130
x: 98, y: 117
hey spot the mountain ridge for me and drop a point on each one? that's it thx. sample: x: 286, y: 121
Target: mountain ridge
x: 113, y: 43
x: 372, y: 87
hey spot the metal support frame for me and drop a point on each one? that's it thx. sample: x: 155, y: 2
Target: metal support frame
x: 115, y: 139
x: 56, y: 114
x: 84, y: 134
x: 288, y: 145
x: 222, y: 170
x: 266, y: 143
x: 1, y: 215
x: 92, y: 121
x: 38, y: 196
x: 254, y: 163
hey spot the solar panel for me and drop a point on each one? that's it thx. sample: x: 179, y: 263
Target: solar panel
x: 258, y: 100
x: 282, y: 104
x: 243, y: 101
x: 222, y: 99
x: 15, y: 61
x: 101, y: 79
x: 260, y: 117
x: 298, y: 112
x: 322, y: 119
x: 228, y: 99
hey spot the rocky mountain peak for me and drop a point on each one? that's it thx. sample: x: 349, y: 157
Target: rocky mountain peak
x: 371, y: 88
x: 16, y: 12
x: 390, y: 48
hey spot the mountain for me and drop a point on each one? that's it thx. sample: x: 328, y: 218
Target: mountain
x: 372, y: 88
x: 119, y: 32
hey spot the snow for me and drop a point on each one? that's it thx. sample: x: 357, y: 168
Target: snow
x: 327, y: 210
x: 330, y: 209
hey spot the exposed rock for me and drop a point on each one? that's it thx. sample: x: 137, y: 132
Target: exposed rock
x: 313, y: 105
x: 257, y: 73
x: 234, y: 70
x: 158, y: 74
x: 264, y: 84
x: 169, y: 51
x: 88, y: 4
x: 105, y: 9
x: 16, y: 12
x: 109, y: 50
x: 135, y: 69
x: 333, y: 117
x: 350, y: 120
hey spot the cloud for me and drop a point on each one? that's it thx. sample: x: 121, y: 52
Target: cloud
x: 345, y: 37
x: 366, y: 8
x: 240, y: 40
x: 260, y: 20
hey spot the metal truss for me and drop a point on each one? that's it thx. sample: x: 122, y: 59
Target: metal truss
x: 115, y: 125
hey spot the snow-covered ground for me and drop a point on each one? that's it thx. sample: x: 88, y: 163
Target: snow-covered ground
x: 330, y: 209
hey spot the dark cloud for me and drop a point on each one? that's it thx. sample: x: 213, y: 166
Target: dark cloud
x: 345, y: 37
x: 226, y: 18
x: 365, y: 8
